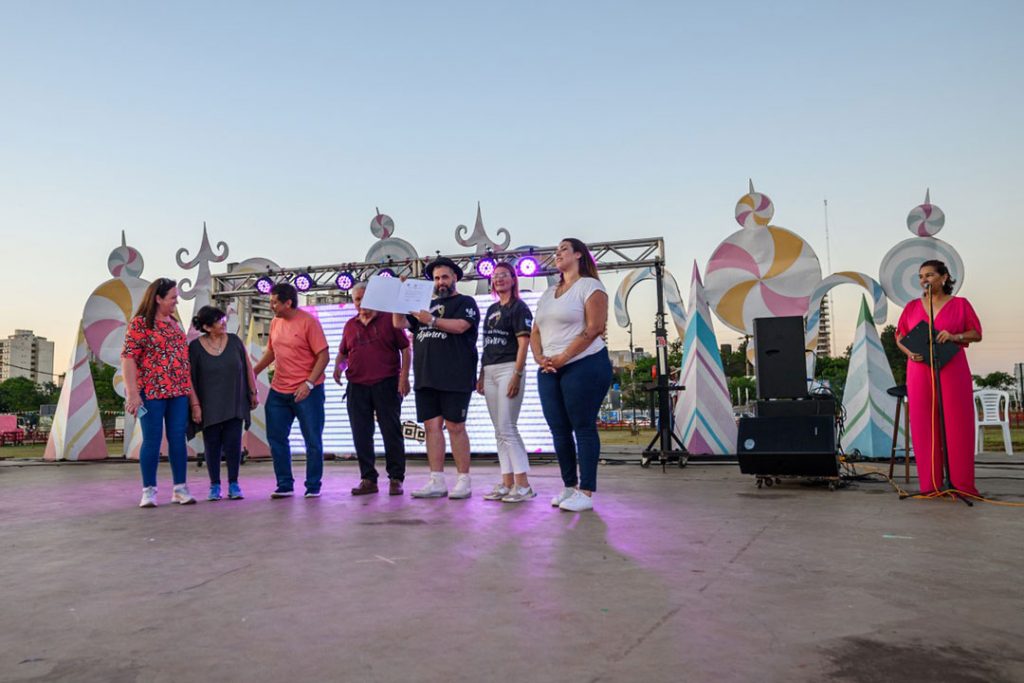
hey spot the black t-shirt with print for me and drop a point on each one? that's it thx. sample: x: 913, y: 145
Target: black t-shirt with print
x: 502, y: 327
x: 443, y: 361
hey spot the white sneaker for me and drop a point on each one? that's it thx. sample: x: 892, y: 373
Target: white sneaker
x: 148, y: 497
x: 577, y: 503
x: 565, y: 495
x: 434, y: 488
x: 462, y: 488
x: 181, y: 496
x: 498, y: 492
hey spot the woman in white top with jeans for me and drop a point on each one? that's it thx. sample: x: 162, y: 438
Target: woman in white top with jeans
x: 575, y: 371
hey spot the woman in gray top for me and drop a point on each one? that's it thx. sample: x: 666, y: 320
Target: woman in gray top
x: 223, y: 393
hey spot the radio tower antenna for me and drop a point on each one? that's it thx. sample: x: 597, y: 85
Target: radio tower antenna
x: 825, y: 325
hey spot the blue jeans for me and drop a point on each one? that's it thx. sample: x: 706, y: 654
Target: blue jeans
x: 281, y: 411
x: 571, y: 399
x: 161, y: 412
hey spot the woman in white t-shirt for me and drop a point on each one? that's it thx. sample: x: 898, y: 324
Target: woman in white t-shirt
x: 575, y: 371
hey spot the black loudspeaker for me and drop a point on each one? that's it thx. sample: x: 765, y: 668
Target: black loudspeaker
x: 795, y: 408
x: 799, y: 446
x: 781, y: 367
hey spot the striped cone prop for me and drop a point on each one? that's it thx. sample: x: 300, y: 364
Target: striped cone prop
x: 77, y: 432
x: 704, y: 419
x: 869, y: 409
x: 255, y: 439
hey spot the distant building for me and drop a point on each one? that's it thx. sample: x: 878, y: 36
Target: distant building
x: 621, y: 357
x: 1018, y: 384
x: 326, y: 298
x: 255, y: 309
x: 824, y: 330
x: 23, y: 354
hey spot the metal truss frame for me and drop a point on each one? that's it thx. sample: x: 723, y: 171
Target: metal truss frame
x: 610, y: 256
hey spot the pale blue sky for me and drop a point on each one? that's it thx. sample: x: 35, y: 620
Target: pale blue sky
x: 284, y: 124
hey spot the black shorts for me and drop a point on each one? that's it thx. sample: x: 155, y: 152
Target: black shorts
x: 451, y: 405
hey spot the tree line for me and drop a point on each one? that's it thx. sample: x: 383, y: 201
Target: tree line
x: 23, y: 396
x: 739, y: 373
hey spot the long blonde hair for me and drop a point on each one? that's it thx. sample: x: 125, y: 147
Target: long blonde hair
x: 514, y: 294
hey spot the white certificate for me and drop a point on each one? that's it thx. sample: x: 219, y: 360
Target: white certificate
x: 391, y: 295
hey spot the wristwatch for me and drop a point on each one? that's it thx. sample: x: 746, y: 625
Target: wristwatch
x: 433, y: 321
x: 959, y: 337
x: 310, y: 385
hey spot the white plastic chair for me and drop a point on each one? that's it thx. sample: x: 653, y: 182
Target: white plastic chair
x: 995, y: 412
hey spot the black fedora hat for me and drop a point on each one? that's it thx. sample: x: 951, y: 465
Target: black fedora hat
x: 442, y: 261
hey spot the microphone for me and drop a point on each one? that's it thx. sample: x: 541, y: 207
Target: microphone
x: 927, y: 285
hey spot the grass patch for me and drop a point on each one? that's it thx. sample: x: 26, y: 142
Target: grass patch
x: 35, y: 451
x: 993, y: 442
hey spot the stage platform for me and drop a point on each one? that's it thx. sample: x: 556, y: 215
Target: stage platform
x: 689, y: 575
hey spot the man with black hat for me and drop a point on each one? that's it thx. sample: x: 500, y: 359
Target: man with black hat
x: 444, y: 364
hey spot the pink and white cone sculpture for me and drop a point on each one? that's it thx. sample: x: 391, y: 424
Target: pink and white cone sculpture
x: 704, y: 419
x: 77, y: 431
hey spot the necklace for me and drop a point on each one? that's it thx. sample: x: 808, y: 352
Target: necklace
x: 214, y: 348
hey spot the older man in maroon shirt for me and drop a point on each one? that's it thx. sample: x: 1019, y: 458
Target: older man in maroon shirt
x: 375, y: 358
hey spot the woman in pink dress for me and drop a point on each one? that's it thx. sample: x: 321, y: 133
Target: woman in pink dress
x: 956, y: 321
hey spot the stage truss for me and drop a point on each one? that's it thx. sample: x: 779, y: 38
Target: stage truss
x: 610, y: 256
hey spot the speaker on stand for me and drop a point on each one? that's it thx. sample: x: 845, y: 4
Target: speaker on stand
x: 781, y: 367
x: 792, y: 434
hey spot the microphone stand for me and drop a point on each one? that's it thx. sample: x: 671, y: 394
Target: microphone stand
x: 938, y: 394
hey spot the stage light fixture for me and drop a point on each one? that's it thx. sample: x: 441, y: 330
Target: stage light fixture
x: 386, y: 272
x: 303, y: 282
x: 485, y: 267
x: 527, y: 266
x: 264, y: 285
x: 345, y: 281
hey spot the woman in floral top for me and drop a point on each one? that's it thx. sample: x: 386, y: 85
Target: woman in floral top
x: 157, y: 385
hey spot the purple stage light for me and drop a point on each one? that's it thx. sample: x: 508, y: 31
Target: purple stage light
x: 264, y: 285
x: 345, y: 281
x: 303, y: 282
x: 485, y: 267
x: 386, y: 272
x: 527, y: 266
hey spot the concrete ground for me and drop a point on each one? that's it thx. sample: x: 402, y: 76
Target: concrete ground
x: 688, y: 575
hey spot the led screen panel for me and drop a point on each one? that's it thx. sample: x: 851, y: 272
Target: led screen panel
x: 338, y: 435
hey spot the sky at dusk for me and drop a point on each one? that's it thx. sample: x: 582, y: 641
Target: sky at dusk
x: 284, y: 125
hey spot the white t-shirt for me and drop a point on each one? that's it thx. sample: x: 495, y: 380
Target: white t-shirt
x: 561, y: 319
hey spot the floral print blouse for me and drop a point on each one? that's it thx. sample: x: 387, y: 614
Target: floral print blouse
x: 161, y: 355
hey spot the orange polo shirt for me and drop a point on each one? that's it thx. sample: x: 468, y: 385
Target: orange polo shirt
x: 295, y: 343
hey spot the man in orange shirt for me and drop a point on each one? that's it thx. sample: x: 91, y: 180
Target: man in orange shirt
x: 298, y: 349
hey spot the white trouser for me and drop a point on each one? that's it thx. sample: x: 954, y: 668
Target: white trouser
x: 504, y: 415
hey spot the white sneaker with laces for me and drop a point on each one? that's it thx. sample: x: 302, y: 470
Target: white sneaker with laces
x: 148, y: 497
x: 563, y: 496
x: 181, y: 496
x: 462, y: 489
x: 498, y: 492
x: 579, y: 502
x: 434, y: 488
